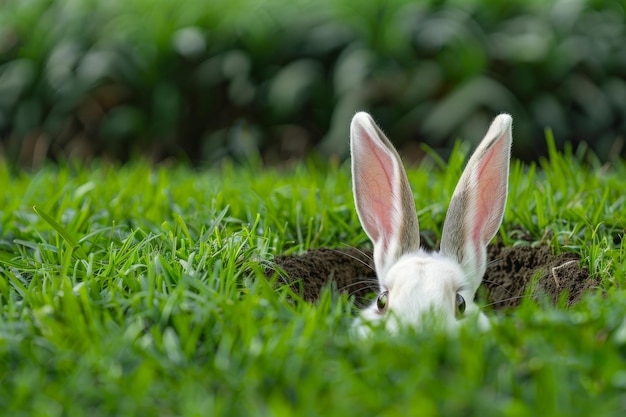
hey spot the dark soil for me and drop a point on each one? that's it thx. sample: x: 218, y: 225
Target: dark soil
x: 512, y: 273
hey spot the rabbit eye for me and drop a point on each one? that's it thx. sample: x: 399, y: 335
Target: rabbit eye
x: 460, y: 305
x: 382, y: 301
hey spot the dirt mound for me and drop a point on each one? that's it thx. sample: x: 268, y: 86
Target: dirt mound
x: 512, y: 273
x: 350, y: 270
x: 515, y: 272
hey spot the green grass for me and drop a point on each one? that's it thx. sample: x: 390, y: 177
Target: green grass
x: 140, y: 291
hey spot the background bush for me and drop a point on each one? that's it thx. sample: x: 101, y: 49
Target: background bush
x: 203, y: 80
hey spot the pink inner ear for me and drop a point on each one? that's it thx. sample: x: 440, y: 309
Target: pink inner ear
x: 492, y: 186
x: 375, y: 190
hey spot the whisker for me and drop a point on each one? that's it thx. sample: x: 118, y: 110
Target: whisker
x: 361, y: 261
x: 361, y: 305
x: 361, y: 251
x: 490, y: 263
x: 365, y: 280
x: 494, y: 262
x: 496, y: 285
x: 519, y: 297
x: 371, y: 284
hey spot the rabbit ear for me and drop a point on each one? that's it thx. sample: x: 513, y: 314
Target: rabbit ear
x: 383, y: 197
x: 478, y: 202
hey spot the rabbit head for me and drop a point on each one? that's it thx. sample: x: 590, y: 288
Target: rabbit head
x: 419, y: 288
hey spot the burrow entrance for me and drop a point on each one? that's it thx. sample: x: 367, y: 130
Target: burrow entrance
x: 512, y: 274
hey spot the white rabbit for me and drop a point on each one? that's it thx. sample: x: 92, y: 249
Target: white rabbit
x: 418, y: 288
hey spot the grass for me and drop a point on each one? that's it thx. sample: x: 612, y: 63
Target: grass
x: 140, y: 291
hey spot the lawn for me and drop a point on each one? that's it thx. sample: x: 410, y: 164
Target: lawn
x: 140, y: 290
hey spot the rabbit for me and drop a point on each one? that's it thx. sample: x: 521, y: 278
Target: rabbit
x: 419, y: 288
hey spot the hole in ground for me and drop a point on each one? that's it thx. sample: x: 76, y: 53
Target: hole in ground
x: 510, y: 272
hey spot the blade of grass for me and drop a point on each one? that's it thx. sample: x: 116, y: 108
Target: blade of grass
x: 69, y: 239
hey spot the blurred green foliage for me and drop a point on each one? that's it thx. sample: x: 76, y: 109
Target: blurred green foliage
x: 203, y: 80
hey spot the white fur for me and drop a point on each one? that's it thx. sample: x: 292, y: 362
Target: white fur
x: 422, y: 287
